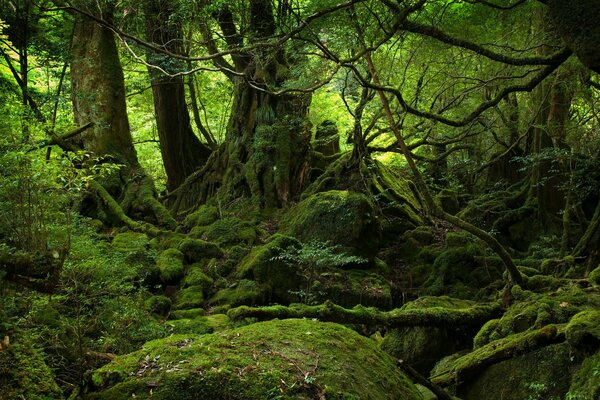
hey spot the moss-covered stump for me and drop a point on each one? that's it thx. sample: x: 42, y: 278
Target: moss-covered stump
x: 290, y: 359
x: 422, y: 347
x: 263, y: 266
x: 541, y: 374
x: 25, y: 375
x: 340, y: 217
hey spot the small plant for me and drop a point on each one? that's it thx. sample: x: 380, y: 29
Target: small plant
x: 311, y: 259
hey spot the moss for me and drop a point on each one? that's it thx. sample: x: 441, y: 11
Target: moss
x: 459, y: 239
x: 421, y: 234
x: 188, y: 314
x: 340, y: 217
x: 422, y: 347
x: 538, y: 283
x: 190, y: 297
x: 24, y: 374
x: 262, y: 266
x: 160, y: 305
x: 203, y: 216
x: 534, y: 310
x: 585, y: 384
x: 170, y: 265
x: 291, y: 359
x: 448, y: 200
x: 244, y: 292
x: 348, y: 288
x: 583, y: 329
x: 195, y: 276
x: 484, y: 336
x: 131, y: 242
x: 544, y: 373
x: 200, y: 325
x: 227, y: 231
x: 594, y: 276
x: 170, y: 240
x: 195, y: 249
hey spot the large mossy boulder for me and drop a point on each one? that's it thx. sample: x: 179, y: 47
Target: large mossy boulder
x: 422, y: 347
x: 263, y: 266
x: 340, y: 217
x: 170, y: 266
x: 289, y: 359
x: 228, y: 231
x: 541, y: 374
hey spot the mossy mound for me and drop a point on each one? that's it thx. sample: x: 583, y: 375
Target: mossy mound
x: 25, y: 375
x: 190, y: 297
x: 585, y: 384
x: 195, y: 276
x: 262, y: 266
x: 541, y: 374
x: 200, y: 325
x: 583, y: 329
x: 160, y: 305
x: 196, y: 249
x: 245, y: 292
x: 289, y: 359
x: 228, y: 231
x: 594, y: 276
x: 533, y: 311
x: 203, y: 216
x: 170, y: 265
x: 422, y: 347
x: 341, y: 217
x: 131, y: 242
x: 349, y: 288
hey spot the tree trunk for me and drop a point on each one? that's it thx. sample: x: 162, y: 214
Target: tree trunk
x: 182, y: 152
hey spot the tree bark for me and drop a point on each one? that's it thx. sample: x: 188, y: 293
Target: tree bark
x: 182, y: 152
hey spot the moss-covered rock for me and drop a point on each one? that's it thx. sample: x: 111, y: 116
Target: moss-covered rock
x: 190, y: 297
x: 541, y: 374
x: 583, y: 329
x: 594, y: 276
x: 200, y: 325
x: 196, y: 249
x: 449, y: 201
x: 170, y: 266
x: 244, y: 292
x: 228, y: 231
x: 160, y: 305
x: 349, y: 288
x: 203, y: 216
x: 343, y: 218
x: 132, y: 242
x: 533, y: 311
x: 290, y: 359
x: 25, y: 375
x: 585, y: 384
x: 263, y: 266
x: 195, y: 276
x: 422, y: 347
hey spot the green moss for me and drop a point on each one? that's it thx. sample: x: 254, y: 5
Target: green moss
x: 24, y: 374
x: 262, y: 266
x: 485, y: 334
x: 594, y: 276
x: 343, y: 218
x: 585, y: 384
x: 188, y: 314
x: 203, y: 216
x: 448, y: 200
x: 227, y: 231
x: 131, y: 242
x: 190, y: 297
x: 584, y: 329
x: 422, y: 347
x: 244, y: 292
x: 348, y: 288
x: 170, y: 240
x: 533, y: 311
x: 170, y: 265
x: 195, y: 249
x: 290, y: 359
x: 459, y: 239
x: 422, y: 234
x: 160, y: 305
x: 200, y: 325
x: 195, y: 276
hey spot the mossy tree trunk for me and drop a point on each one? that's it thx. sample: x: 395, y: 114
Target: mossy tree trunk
x: 266, y: 149
x: 182, y: 152
x: 98, y: 95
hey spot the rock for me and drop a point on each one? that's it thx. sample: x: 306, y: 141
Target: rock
x: 289, y: 359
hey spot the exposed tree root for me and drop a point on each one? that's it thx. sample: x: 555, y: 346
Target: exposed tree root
x: 330, y: 312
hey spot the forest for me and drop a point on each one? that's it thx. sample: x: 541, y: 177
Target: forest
x: 300, y: 199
